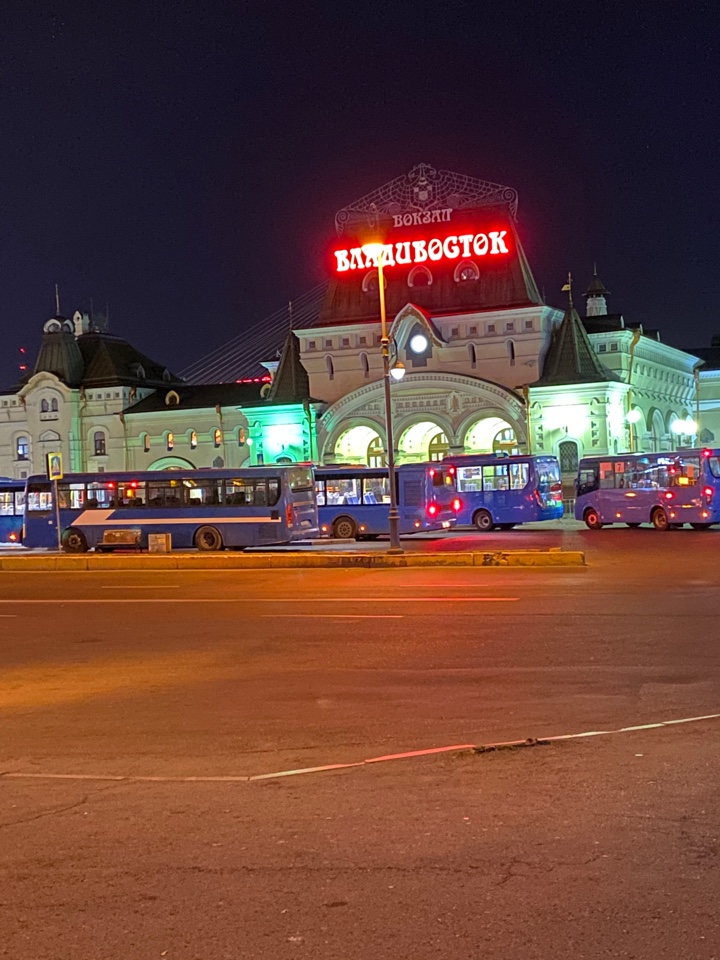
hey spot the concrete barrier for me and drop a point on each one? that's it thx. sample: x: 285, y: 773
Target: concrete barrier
x: 274, y: 561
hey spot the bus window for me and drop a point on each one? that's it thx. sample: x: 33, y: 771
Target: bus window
x: 101, y: 495
x: 7, y: 503
x: 71, y: 496
x: 39, y: 498
x: 690, y: 471
x: 714, y: 465
x: 469, y: 479
x: 19, y: 502
x: 131, y: 494
x: 587, y: 481
x: 163, y: 493
x: 375, y: 490
x: 519, y: 474
x: 343, y: 491
x: 300, y: 478
x: 495, y: 477
x: 607, y: 476
x: 273, y: 487
x: 320, y: 492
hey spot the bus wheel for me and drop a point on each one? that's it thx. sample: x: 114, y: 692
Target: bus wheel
x: 592, y: 520
x: 208, y: 538
x: 633, y: 526
x: 344, y: 528
x: 73, y: 541
x: 701, y: 526
x: 483, y: 521
x: 660, y: 519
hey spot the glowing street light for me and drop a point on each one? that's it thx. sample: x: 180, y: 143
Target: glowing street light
x: 634, y: 415
x: 684, y: 428
x: 375, y: 252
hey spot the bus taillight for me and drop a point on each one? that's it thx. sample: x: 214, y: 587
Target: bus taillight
x: 289, y: 514
x: 457, y: 505
x: 708, y: 491
x: 669, y: 495
x: 432, y: 509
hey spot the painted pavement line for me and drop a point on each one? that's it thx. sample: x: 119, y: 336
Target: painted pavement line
x: 429, y: 751
x: 246, y: 601
x: 333, y: 616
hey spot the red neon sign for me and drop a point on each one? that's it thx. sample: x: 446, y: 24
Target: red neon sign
x: 464, y: 246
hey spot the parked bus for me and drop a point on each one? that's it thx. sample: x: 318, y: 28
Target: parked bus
x: 664, y: 489
x: 498, y: 490
x: 12, y: 508
x: 354, y: 502
x: 207, y: 509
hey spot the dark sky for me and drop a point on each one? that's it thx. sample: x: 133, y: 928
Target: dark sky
x: 184, y: 161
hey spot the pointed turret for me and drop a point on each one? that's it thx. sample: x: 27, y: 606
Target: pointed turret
x: 59, y: 352
x: 291, y: 383
x: 595, y: 295
x: 570, y: 357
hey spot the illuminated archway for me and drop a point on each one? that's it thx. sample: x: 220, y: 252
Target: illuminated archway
x: 491, y: 435
x: 172, y: 463
x: 423, y: 441
x: 359, y: 444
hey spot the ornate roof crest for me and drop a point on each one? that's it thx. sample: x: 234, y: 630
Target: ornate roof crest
x: 425, y: 188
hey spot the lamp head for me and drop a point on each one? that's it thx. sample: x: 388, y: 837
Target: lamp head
x: 373, y: 251
x: 398, y: 371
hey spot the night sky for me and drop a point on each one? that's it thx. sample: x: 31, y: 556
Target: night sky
x: 183, y: 162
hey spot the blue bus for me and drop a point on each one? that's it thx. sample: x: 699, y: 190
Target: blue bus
x: 12, y: 508
x: 499, y: 490
x: 354, y: 501
x: 206, y: 509
x: 666, y: 490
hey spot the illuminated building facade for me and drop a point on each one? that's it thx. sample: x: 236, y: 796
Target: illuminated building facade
x: 105, y: 406
x: 489, y: 366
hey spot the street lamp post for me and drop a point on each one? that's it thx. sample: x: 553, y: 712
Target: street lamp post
x: 375, y: 251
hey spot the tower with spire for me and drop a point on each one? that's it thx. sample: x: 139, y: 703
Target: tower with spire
x: 596, y: 295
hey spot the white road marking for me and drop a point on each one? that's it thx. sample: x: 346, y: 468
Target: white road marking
x: 334, y: 616
x: 246, y: 600
x: 133, y: 586
x: 428, y: 751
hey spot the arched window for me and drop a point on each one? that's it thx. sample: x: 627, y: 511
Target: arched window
x: 284, y: 460
x: 217, y: 437
x: 100, y: 443
x: 170, y: 441
x: 22, y: 448
x: 365, y: 365
x: 370, y: 282
x: 375, y: 453
x: 438, y: 447
x: 466, y: 270
x: 568, y: 456
x: 510, y: 344
x: 330, y: 368
x: 44, y: 406
x: 419, y: 277
x: 146, y: 442
x: 193, y: 440
x: 472, y: 355
x: 54, y: 405
x: 505, y: 442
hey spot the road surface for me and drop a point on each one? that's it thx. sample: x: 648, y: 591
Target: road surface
x: 182, y: 685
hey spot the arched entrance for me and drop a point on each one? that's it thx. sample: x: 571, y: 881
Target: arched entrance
x: 172, y: 463
x: 360, y: 444
x: 491, y: 435
x: 423, y: 441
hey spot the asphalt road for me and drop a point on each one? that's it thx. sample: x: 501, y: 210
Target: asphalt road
x: 186, y: 683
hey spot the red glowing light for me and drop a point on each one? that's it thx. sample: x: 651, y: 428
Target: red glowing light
x: 457, y: 505
x: 669, y: 495
x: 432, y: 509
x: 134, y: 483
x: 13, y: 537
x: 708, y: 491
x: 431, y: 472
x: 406, y: 252
x: 707, y: 453
x: 451, y: 471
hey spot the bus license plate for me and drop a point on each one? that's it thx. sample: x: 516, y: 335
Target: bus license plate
x: 446, y: 524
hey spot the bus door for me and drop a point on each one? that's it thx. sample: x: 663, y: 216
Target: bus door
x: 410, y: 496
x: 496, y: 486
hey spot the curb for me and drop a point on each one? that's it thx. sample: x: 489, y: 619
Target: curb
x: 274, y: 561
